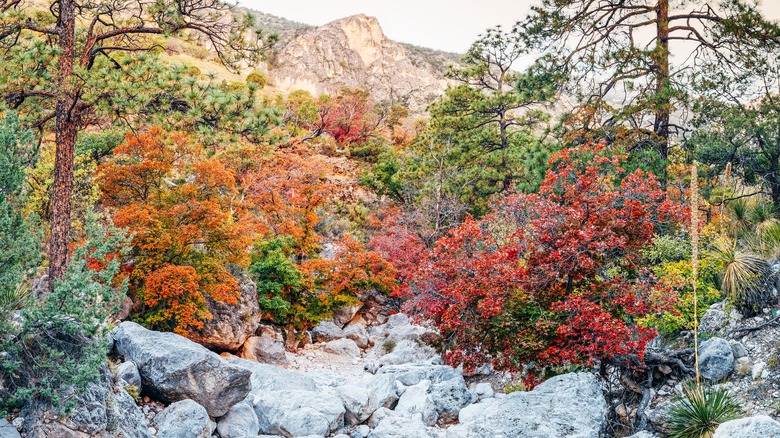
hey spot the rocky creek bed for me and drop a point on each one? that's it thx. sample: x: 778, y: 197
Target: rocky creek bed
x: 352, y: 382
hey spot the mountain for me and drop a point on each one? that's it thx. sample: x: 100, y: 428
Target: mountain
x: 354, y: 52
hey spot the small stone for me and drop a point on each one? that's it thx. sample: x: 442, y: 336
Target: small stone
x: 738, y: 349
x: 483, y: 391
x: 758, y: 371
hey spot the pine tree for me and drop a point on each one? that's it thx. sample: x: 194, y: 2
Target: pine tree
x: 67, y: 62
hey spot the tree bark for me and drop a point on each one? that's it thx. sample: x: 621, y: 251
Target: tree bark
x: 663, y: 105
x: 67, y: 124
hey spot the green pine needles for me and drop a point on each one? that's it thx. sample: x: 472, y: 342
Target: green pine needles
x: 60, y: 343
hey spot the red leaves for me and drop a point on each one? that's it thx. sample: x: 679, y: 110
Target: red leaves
x: 550, y: 278
x: 348, y: 116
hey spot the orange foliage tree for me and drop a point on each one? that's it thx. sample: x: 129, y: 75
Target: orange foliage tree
x: 285, y: 192
x: 188, y: 225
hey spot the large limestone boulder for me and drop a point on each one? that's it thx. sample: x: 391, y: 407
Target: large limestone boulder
x: 344, y: 347
x: 449, y: 397
x: 416, y: 400
x: 8, y: 430
x: 760, y: 426
x: 399, y: 427
x: 342, y: 316
x: 183, y: 419
x: 569, y: 405
x: 231, y: 324
x: 437, y: 391
x: 299, y: 413
x: 474, y: 411
x: 127, y: 373
x: 357, y: 333
x: 412, y: 374
x: 718, y: 319
x: 174, y: 368
x: 240, y: 421
x: 99, y: 411
x: 265, y: 378
x: 357, y: 402
x: 268, y: 347
x: 383, y: 392
x: 716, y: 359
x: 326, y: 331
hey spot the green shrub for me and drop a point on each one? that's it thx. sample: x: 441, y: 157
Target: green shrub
x: 518, y: 386
x: 699, y: 411
x: 192, y: 71
x: 60, y: 345
x: 257, y: 78
x: 20, y: 236
x: 389, y: 345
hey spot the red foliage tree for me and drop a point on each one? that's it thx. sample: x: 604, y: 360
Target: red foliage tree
x: 550, y: 278
x: 349, y: 117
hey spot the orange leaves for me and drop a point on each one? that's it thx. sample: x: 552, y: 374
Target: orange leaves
x: 286, y: 192
x: 188, y: 222
x: 353, y: 272
x: 175, y: 292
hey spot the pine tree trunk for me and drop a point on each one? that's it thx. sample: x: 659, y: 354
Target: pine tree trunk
x: 663, y: 104
x: 67, y: 124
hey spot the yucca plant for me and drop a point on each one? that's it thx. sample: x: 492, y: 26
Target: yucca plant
x: 12, y: 299
x: 739, y: 213
x: 766, y: 240
x: 700, y: 410
x: 745, y: 277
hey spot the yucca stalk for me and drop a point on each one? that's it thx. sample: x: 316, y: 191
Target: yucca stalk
x: 695, y: 265
x: 726, y: 178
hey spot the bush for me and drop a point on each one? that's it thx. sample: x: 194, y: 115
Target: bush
x: 388, y: 346
x: 60, y: 343
x: 19, y: 240
x: 257, y: 78
x: 700, y: 411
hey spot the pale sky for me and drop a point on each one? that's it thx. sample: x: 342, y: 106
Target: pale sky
x: 450, y: 25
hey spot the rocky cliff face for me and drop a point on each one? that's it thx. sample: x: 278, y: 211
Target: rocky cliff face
x: 354, y: 52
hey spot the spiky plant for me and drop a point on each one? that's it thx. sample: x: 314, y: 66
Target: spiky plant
x: 745, y: 277
x: 12, y: 299
x: 700, y: 410
x: 766, y: 240
x: 762, y: 213
x: 739, y: 213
